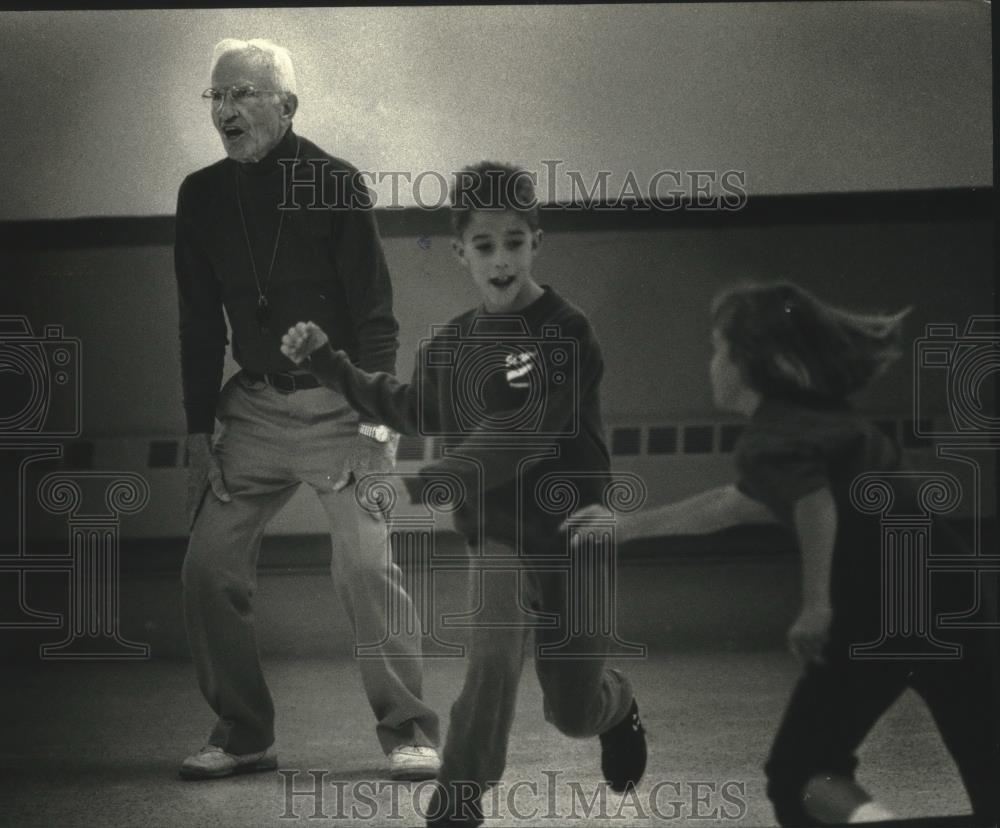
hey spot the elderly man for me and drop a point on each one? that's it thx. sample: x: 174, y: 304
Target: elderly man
x: 316, y: 258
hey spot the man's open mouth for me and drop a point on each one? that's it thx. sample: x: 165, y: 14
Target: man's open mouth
x: 232, y: 133
x: 501, y: 281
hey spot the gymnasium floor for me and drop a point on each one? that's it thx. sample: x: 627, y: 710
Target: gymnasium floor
x: 98, y: 744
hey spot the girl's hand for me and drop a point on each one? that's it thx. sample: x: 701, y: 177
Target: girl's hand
x: 588, y: 514
x: 597, y: 514
x: 301, y: 340
x: 809, y: 634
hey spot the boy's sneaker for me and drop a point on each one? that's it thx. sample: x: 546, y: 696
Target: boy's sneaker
x: 461, y: 810
x: 623, y: 751
x: 212, y: 762
x: 413, y: 763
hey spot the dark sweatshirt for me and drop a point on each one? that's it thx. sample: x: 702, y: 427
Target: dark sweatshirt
x: 329, y: 267
x: 518, y: 395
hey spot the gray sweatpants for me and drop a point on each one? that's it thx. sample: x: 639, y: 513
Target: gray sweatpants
x: 269, y: 445
x: 582, y: 697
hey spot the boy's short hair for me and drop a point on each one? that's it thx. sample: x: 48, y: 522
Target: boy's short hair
x: 492, y: 185
x: 784, y: 340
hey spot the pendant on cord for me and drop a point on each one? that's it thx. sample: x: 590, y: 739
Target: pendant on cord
x: 263, y: 312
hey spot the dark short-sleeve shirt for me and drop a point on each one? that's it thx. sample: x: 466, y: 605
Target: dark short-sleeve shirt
x: 794, y: 447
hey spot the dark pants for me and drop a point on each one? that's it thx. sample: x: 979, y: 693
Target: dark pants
x: 582, y: 696
x: 834, y: 707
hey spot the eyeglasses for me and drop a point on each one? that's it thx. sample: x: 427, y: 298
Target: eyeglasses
x: 243, y: 94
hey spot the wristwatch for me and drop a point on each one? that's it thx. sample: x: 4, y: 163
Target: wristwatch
x: 379, y: 433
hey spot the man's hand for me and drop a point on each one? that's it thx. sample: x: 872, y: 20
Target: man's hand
x: 301, y: 340
x: 808, y: 635
x: 203, y: 471
x: 367, y: 456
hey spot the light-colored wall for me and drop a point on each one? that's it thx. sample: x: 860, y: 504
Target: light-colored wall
x: 101, y: 114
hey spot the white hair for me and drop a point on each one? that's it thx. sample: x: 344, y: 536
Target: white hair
x: 264, y: 52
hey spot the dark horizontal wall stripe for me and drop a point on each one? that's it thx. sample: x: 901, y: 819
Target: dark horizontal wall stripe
x: 698, y: 439
x: 625, y: 440
x: 78, y: 455
x: 834, y: 208
x: 163, y: 454
x: 62, y: 234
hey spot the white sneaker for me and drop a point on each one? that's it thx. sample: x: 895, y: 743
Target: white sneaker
x: 212, y: 762
x: 413, y: 763
x: 870, y: 812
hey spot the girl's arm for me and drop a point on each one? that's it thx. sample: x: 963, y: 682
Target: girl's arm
x: 816, y: 527
x: 701, y: 514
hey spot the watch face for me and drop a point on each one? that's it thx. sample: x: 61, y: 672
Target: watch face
x: 382, y: 434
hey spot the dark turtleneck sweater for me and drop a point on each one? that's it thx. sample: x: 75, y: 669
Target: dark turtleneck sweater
x: 329, y: 267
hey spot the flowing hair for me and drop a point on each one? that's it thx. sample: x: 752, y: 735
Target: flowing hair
x: 785, y: 341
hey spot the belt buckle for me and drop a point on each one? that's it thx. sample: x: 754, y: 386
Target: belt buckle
x: 283, y: 383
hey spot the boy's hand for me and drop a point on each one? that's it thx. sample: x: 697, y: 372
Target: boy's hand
x: 301, y: 340
x: 809, y: 634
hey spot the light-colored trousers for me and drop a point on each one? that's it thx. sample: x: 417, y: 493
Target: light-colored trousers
x: 270, y: 444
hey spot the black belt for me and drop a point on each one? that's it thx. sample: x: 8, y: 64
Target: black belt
x: 285, y: 383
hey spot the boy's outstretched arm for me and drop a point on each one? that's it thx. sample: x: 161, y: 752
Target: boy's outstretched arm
x: 379, y: 396
x: 701, y: 514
